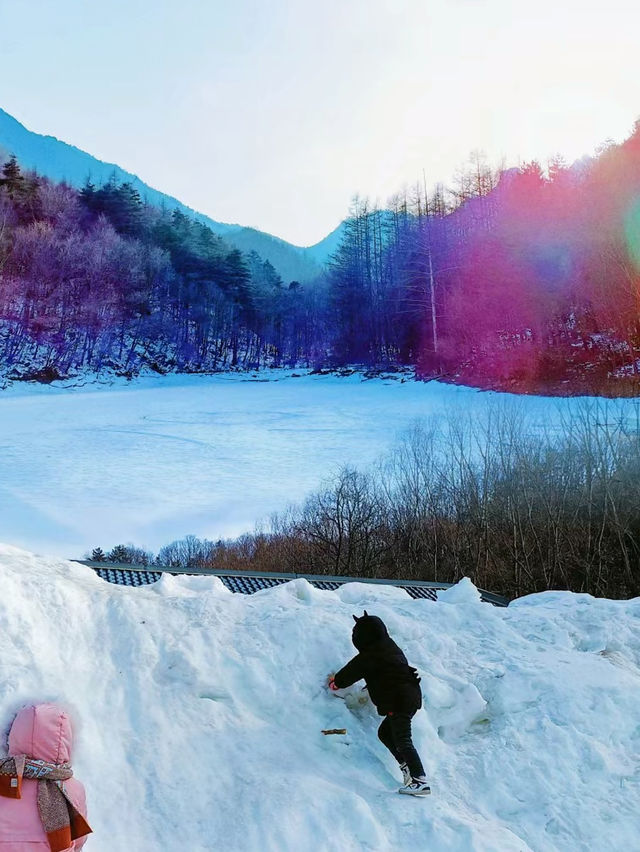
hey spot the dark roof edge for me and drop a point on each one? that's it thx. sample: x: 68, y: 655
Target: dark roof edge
x: 489, y: 597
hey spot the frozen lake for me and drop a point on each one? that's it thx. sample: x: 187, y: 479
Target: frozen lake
x: 153, y: 460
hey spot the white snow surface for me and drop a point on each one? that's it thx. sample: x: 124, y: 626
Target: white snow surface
x: 201, y: 714
x: 155, y: 459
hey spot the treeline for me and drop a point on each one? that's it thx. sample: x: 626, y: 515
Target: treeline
x: 515, y: 507
x: 522, y: 279
x: 525, y: 279
x: 96, y: 279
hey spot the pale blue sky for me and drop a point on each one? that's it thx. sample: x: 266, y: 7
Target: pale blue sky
x: 273, y: 114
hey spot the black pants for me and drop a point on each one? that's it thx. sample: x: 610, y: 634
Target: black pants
x: 395, y: 733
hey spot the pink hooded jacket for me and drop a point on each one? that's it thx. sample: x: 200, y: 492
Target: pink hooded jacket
x: 42, y: 732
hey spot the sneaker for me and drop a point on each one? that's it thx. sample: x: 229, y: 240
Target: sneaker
x: 416, y: 787
x: 406, y: 775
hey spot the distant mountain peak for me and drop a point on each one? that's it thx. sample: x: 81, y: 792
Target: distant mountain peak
x: 61, y: 161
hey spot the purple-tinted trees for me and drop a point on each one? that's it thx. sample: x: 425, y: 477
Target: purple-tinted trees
x: 96, y: 279
x: 523, y: 278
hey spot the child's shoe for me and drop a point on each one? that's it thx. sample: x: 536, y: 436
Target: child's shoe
x: 416, y: 787
x: 406, y: 775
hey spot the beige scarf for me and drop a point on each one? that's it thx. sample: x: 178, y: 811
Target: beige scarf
x: 61, y: 818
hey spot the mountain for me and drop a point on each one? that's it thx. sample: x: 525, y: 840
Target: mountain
x: 293, y: 263
x: 320, y: 252
x: 60, y: 161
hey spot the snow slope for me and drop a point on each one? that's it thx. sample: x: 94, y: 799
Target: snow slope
x: 201, y: 714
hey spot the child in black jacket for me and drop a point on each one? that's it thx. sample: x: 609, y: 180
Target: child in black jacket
x: 394, y: 689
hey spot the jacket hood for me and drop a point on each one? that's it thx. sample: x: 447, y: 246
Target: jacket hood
x: 367, y: 630
x: 42, y: 732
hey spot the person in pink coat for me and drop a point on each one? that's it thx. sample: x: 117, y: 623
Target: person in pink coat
x: 33, y: 807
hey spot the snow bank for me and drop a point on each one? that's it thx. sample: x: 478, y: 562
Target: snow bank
x: 201, y: 714
x: 462, y: 592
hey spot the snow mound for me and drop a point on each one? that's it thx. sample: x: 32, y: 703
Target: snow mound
x: 184, y: 585
x: 201, y: 714
x: 462, y: 593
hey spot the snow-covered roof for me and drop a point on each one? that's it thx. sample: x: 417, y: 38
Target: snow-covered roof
x: 248, y: 582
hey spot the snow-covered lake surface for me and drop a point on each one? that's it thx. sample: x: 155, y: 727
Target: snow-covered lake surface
x: 153, y: 460
x: 201, y: 714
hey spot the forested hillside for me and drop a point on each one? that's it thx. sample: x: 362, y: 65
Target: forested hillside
x: 522, y: 278
x: 95, y: 279
x: 58, y: 161
x: 525, y: 279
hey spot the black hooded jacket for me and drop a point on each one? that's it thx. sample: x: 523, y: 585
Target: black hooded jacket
x: 392, y: 683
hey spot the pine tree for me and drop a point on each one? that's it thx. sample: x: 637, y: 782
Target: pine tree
x: 235, y: 282
x: 12, y: 178
x: 88, y: 195
x: 120, y: 553
x: 97, y: 555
